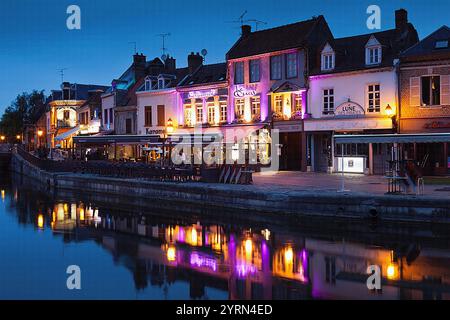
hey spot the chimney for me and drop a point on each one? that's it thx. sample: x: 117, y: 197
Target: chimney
x: 139, y: 66
x: 170, y: 65
x: 246, y: 30
x: 401, y: 19
x: 195, y: 60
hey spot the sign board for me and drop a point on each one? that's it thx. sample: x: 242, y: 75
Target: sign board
x: 201, y: 94
x: 242, y: 92
x: 349, y: 109
x: 154, y: 131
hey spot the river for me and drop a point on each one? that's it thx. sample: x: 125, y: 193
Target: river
x: 171, y: 253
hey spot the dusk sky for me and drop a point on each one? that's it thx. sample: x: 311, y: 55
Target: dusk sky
x: 35, y: 42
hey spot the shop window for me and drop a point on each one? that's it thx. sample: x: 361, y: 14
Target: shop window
x: 199, y: 113
x: 330, y: 270
x: 431, y: 91
x: 328, y: 101
x: 279, y: 104
x: 223, y: 111
x: 275, y: 67
x: 148, y: 116
x: 292, y: 65
x: 256, y: 106
x: 373, y: 92
x: 254, y: 70
x: 211, y: 113
x: 240, y: 108
x: 239, y: 72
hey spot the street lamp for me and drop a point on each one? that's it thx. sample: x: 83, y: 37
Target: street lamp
x: 2, y: 138
x: 169, y: 127
x: 40, y: 133
x: 389, y: 111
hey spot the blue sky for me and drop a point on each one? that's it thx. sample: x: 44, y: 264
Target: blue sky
x: 35, y: 43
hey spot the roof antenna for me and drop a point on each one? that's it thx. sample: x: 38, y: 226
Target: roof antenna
x: 135, y: 46
x: 61, y: 73
x: 204, y: 52
x: 163, y: 36
x: 257, y: 23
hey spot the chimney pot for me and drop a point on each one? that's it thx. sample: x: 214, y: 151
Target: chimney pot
x: 401, y: 19
x: 246, y: 30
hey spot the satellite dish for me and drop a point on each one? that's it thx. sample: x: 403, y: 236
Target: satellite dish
x: 204, y: 52
x: 164, y: 57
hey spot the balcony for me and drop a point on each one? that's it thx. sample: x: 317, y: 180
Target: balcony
x: 66, y: 123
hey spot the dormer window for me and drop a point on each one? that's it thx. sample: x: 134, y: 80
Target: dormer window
x: 441, y: 44
x: 373, y: 52
x: 148, y: 85
x: 161, y: 83
x: 328, y: 58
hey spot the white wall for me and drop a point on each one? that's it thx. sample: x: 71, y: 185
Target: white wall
x: 167, y: 98
x: 352, y: 86
x: 108, y: 102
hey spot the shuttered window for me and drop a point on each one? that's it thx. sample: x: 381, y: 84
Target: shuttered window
x: 414, y: 95
x: 161, y: 116
x: 445, y: 90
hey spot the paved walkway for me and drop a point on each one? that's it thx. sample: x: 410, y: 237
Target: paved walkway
x: 333, y: 182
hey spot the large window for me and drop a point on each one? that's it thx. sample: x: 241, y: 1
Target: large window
x: 239, y: 72
x: 148, y: 116
x: 223, y: 111
x: 431, y: 91
x: 254, y: 70
x: 111, y: 116
x: 278, y: 104
x: 275, y: 68
x: 373, y: 92
x: 292, y: 65
x: 256, y: 105
x: 240, y: 107
x: 211, y: 113
x: 188, y: 114
x: 297, y: 102
x: 199, y: 112
x: 328, y: 101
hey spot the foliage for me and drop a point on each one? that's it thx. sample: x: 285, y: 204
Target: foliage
x: 25, y: 109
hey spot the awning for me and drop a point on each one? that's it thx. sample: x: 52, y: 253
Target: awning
x: 229, y: 134
x: 68, y: 134
x: 117, y: 139
x: 393, y: 138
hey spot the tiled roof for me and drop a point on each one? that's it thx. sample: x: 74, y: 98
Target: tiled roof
x: 280, y: 38
x: 426, y: 49
x: 205, y: 74
x: 350, y: 54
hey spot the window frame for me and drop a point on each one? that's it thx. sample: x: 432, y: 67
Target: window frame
x: 272, y: 58
x: 328, y: 106
x: 379, y: 55
x: 242, y: 73
x: 251, y: 63
x: 325, y: 65
x: 239, y: 107
x: 375, y: 109
x: 148, y: 116
x: 199, y: 107
x: 295, y: 54
x: 223, y: 109
x: 432, y: 101
x: 255, y: 100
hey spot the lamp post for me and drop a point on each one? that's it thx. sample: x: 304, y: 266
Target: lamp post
x: 169, y: 131
x: 40, y: 133
x: 2, y: 138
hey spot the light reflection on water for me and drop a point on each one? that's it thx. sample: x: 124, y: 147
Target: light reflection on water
x: 136, y: 256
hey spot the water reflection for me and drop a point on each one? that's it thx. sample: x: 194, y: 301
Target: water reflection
x: 240, y: 261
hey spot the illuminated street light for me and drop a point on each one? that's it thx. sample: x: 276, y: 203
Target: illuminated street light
x: 169, y: 126
x: 389, y: 111
x: 40, y: 133
x: 2, y: 138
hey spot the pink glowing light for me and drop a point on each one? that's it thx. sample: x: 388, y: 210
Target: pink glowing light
x: 244, y: 269
x: 199, y: 261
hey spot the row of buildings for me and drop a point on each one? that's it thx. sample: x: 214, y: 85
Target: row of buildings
x: 385, y: 88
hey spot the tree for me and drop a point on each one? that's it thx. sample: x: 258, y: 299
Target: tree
x: 25, y: 109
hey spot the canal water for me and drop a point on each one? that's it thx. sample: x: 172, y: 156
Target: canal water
x: 131, y: 253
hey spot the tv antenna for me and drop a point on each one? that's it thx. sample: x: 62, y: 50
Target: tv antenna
x: 257, y: 23
x: 164, y: 36
x: 61, y: 73
x: 135, y: 46
x: 240, y: 20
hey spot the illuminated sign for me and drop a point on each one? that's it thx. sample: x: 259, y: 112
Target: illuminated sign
x: 154, y: 131
x: 242, y: 92
x: 437, y: 125
x: 349, y: 109
x: 351, y: 164
x: 198, y: 260
x: 202, y: 94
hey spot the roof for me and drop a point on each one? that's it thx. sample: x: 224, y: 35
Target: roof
x: 179, y: 75
x: 206, y: 74
x: 426, y: 49
x: 350, y: 54
x: 289, y: 36
x: 80, y: 91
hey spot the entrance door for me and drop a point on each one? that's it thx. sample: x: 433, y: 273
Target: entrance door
x: 291, y: 152
x: 322, y: 152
